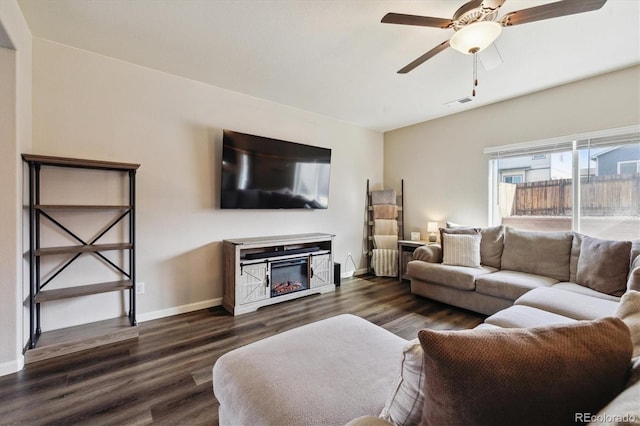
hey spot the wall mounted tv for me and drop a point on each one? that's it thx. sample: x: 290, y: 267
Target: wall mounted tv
x: 264, y: 173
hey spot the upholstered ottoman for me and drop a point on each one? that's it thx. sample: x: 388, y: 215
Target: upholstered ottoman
x: 328, y: 372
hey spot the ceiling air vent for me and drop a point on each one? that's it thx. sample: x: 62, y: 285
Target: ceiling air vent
x: 459, y: 101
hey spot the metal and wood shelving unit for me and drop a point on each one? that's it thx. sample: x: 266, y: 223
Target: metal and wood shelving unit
x: 57, y: 342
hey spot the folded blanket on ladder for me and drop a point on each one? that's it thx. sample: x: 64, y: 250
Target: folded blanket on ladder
x: 385, y: 262
x: 385, y: 211
x: 385, y: 227
x: 385, y: 242
x: 385, y: 196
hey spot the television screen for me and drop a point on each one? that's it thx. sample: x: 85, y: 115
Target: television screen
x: 264, y: 173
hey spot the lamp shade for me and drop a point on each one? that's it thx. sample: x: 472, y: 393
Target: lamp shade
x: 432, y: 226
x: 475, y: 37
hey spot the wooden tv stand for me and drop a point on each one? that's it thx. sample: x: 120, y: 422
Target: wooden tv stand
x: 250, y: 263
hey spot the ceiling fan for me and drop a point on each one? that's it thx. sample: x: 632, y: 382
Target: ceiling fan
x: 476, y: 25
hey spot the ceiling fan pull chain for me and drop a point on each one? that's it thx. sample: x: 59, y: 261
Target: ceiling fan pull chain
x: 475, y: 74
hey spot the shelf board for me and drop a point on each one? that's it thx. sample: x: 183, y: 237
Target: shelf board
x: 46, y: 160
x: 82, y: 290
x: 371, y: 208
x: 90, y: 248
x: 81, y: 337
x: 81, y: 207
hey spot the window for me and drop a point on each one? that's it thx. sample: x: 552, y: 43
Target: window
x: 588, y: 183
x: 628, y: 167
x: 512, y: 179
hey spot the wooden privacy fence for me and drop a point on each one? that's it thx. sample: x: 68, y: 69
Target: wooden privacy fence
x: 615, y: 195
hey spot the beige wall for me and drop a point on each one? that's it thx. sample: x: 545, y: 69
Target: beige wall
x: 15, y: 137
x: 442, y: 161
x: 91, y: 106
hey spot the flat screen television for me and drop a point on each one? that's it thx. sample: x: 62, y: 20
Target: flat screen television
x: 265, y: 173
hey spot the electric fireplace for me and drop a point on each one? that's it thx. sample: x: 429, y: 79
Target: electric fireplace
x: 288, y: 276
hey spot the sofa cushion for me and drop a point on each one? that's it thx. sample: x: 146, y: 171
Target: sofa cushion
x: 603, y: 265
x: 577, y: 288
x: 539, y: 253
x: 460, y: 277
x: 629, y: 311
x: 404, y: 403
x: 568, y: 303
x: 327, y: 372
x: 542, y: 370
x: 520, y: 316
x: 462, y: 250
x: 510, y: 284
x: 491, y: 246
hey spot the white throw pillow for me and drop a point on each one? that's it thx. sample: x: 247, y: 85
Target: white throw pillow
x: 462, y: 250
x: 404, y: 403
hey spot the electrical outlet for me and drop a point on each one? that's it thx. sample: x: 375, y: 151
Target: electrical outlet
x: 140, y: 288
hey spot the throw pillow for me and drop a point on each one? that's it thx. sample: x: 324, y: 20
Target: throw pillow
x: 629, y: 311
x: 462, y: 250
x: 491, y: 246
x: 536, y: 252
x: 457, y: 231
x: 404, y: 403
x: 456, y: 225
x: 542, y: 375
x: 603, y: 265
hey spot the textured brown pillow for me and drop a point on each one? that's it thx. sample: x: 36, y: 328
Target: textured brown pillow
x: 603, y: 265
x: 519, y: 376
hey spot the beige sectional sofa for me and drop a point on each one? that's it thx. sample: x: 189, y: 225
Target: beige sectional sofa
x: 559, y: 346
x: 513, y: 262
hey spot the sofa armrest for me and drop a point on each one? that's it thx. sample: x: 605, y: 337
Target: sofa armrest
x: 431, y: 253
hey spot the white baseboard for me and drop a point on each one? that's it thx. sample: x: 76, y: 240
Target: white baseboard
x: 177, y: 310
x: 355, y: 273
x: 11, y: 367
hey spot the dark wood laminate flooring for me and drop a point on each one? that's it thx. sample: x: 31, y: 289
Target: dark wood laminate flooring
x: 164, y: 376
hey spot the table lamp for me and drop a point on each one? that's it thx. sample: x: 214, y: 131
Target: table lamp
x: 432, y: 228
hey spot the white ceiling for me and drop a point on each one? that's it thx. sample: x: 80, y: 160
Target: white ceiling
x: 334, y: 57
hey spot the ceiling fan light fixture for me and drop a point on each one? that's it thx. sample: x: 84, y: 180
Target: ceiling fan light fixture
x: 475, y: 37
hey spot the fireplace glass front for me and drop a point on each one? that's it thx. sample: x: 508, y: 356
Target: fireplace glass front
x: 288, y: 276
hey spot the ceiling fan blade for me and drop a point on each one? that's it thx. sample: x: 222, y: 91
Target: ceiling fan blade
x: 492, y: 4
x: 551, y: 10
x: 422, y: 21
x: 433, y: 52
